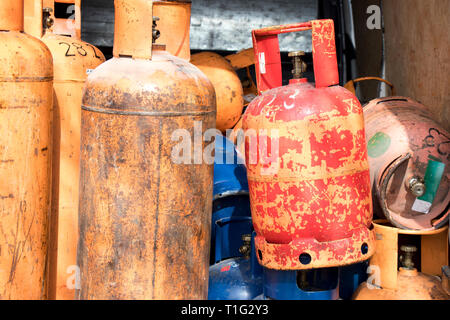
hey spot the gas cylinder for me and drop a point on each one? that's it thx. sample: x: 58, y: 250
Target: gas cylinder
x: 350, y: 278
x: 411, y: 284
x: 26, y: 99
x: 306, y: 160
x: 235, y: 273
x: 73, y: 59
x: 409, y: 156
x: 174, y: 26
x: 314, y: 284
x: 144, y: 217
x: 228, y: 87
x: 231, y: 217
x: 237, y: 278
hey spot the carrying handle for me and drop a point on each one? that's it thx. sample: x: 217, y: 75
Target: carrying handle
x: 37, y: 22
x: 351, y: 84
x: 267, y: 53
x: 133, y: 36
x: 71, y: 26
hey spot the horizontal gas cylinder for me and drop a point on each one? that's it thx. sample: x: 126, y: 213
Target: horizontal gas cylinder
x: 228, y: 87
x: 73, y: 60
x: 409, y: 156
x: 144, y: 216
x: 26, y: 100
x: 306, y: 160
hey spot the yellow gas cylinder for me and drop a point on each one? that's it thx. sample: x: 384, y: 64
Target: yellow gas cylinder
x: 228, y: 87
x: 411, y: 284
x: 26, y: 80
x: 388, y: 281
x: 73, y: 59
x: 174, y: 25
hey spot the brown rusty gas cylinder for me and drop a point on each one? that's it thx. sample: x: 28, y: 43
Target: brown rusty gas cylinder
x: 409, y: 156
x: 174, y: 24
x: 306, y: 159
x: 73, y: 59
x: 26, y: 75
x: 228, y: 87
x: 144, y: 219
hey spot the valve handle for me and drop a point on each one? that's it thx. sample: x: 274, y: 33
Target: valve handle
x: 267, y: 53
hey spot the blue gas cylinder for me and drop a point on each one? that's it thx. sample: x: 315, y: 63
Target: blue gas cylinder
x: 236, y: 278
x: 350, y: 278
x: 231, y: 217
x: 314, y: 284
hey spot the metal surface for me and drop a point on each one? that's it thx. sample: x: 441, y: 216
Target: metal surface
x: 312, y: 197
x: 145, y: 220
x: 404, y: 142
x: 228, y: 87
x: 411, y: 284
x: 215, y: 25
x: 350, y: 278
x: 236, y: 278
x: 174, y: 25
x: 317, y: 284
x: 434, y: 251
x: 26, y: 99
x: 73, y: 59
x: 231, y: 217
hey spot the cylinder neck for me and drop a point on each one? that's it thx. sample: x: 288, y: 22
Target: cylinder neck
x: 11, y: 15
x: 133, y: 27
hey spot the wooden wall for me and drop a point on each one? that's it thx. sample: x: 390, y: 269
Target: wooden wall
x: 418, y: 52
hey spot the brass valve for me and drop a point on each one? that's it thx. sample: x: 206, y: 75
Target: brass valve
x: 48, y: 20
x: 155, y: 32
x: 406, y: 258
x: 417, y: 186
x: 299, y: 65
x: 246, y: 248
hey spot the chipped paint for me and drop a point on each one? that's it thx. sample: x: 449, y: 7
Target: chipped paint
x: 318, y: 200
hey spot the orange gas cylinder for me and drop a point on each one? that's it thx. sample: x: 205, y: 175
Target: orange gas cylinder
x: 26, y: 99
x: 387, y: 281
x: 411, y: 284
x: 306, y: 160
x: 73, y: 59
x: 145, y: 218
x: 228, y: 87
x: 174, y: 25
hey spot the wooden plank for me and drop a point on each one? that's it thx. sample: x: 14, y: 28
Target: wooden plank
x: 417, y: 52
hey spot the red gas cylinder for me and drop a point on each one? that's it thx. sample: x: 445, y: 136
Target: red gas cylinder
x: 306, y: 157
